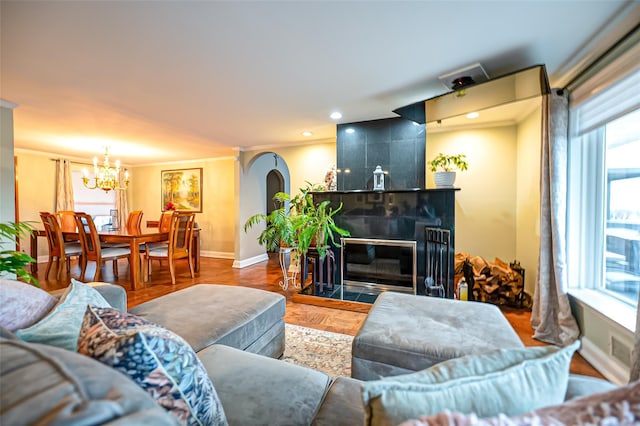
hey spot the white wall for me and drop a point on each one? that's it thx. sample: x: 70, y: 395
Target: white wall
x: 7, y: 188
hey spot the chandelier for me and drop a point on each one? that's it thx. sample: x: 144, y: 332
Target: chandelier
x: 105, y: 176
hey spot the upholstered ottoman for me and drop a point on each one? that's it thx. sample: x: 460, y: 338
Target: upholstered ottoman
x: 244, y: 318
x: 404, y: 333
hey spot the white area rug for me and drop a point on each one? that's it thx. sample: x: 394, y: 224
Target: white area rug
x: 321, y: 350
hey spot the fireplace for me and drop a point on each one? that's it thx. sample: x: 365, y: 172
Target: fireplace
x: 379, y: 265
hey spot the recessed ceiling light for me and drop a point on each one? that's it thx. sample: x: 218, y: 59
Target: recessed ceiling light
x: 349, y: 130
x: 473, y: 115
x: 307, y: 133
x: 336, y: 115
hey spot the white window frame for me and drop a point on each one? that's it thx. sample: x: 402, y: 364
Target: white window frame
x: 586, y: 207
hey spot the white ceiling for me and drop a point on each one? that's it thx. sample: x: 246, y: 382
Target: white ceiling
x: 162, y: 81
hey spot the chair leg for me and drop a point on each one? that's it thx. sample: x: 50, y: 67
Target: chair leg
x: 115, y: 268
x: 173, y: 272
x: 96, y: 276
x: 83, y: 267
x: 49, y: 262
x: 59, y: 266
x: 190, y: 266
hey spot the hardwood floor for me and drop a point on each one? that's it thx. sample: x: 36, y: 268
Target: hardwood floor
x: 265, y: 276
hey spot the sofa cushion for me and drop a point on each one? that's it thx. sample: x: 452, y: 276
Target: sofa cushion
x: 342, y: 405
x: 46, y: 385
x: 619, y: 406
x: 205, y: 314
x: 509, y: 381
x: 157, y: 359
x: 62, y: 325
x: 22, y: 304
x: 257, y: 390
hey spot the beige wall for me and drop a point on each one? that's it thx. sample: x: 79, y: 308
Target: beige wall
x: 528, y: 196
x: 297, y: 165
x: 486, y: 203
x: 217, y: 218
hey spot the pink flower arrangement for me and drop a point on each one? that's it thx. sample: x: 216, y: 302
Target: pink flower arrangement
x: 169, y: 206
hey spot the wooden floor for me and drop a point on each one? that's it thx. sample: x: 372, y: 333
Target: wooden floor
x: 265, y: 276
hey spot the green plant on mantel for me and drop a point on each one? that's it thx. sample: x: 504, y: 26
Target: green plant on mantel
x: 449, y: 163
x: 13, y: 261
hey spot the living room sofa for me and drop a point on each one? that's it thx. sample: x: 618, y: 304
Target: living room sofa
x: 253, y: 388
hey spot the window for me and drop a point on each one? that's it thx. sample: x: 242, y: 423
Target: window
x: 95, y: 202
x: 603, y: 211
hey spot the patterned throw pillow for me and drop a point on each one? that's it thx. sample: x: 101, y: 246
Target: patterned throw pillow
x: 160, y: 361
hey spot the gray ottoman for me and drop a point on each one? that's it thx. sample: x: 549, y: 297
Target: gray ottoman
x: 244, y: 318
x: 404, y: 333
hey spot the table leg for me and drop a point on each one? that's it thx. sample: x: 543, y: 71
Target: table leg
x: 34, y: 252
x: 134, y: 264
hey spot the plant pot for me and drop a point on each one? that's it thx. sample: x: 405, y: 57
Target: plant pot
x: 444, y: 179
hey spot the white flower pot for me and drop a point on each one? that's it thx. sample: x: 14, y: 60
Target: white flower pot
x: 444, y: 179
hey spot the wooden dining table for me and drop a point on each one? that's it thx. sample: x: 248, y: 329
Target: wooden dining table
x: 133, y: 238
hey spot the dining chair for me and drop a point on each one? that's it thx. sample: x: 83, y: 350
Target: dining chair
x: 67, y: 222
x: 134, y: 220
x: 179, y: 246
x: 92, y: 249
x: 58, y: 248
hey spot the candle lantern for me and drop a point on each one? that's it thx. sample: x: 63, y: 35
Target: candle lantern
x: 378, y: 179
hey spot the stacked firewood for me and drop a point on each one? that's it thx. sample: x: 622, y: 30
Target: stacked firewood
x: 499, y: 282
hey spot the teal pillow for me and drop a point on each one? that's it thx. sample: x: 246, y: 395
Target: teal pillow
x: 158, y: 360
x: 62, y: 325
x: 508, y: 381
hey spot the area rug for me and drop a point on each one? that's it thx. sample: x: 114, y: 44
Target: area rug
x: 321, y: 350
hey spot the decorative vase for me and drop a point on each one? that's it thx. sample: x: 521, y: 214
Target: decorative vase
x: 444, y: 179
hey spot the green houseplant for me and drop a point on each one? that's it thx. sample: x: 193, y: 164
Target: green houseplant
x: 444, y: 167
x: 13, y: 261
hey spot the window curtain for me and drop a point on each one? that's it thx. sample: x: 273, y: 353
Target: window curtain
x: 64, y: 186
x: 121, y: 201
x: 551, y: 316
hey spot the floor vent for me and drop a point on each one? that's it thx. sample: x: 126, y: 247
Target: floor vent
x: 620, y: 350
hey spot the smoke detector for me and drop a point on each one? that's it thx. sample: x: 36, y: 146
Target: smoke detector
x: 467, y: 76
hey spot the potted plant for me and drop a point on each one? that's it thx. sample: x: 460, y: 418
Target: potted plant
x: 13, y: 261
x: 444, y: 167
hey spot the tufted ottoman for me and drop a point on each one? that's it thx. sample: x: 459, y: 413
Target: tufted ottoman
x: 405, y: 333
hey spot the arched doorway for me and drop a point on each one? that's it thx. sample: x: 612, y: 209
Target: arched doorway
x: 275, y: 183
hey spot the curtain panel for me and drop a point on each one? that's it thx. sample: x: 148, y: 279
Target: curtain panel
x: 551, y: 316
x: 64, y: 186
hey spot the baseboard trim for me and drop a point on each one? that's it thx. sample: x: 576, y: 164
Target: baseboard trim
x: 250, y: 261
x: 608, y: 366
x: 217, y: 254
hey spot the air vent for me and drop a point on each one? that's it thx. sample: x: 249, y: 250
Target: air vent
x: 472, y: 74
x: 620, y: 350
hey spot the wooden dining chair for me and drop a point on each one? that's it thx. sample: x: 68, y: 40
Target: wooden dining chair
x: 179, y: 246
x: 92, y: 249
x: 134, y: 220
x: 58, y: 249
x: 67, y: 222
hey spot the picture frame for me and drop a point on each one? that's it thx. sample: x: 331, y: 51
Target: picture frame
x: 182, y: 188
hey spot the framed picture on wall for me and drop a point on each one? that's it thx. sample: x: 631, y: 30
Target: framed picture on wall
x: 183, y: 189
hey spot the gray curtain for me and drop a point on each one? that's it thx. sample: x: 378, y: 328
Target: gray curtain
x: 64, y: 186
x: 551, y: 315
x: 121, y: 202
x: 635, y: 355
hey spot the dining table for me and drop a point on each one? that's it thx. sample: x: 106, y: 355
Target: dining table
x: 132, y: 237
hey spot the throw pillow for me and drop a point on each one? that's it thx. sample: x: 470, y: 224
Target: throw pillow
x: 160, y: 361
x: 22, y: 304
x: 509, y: 381
x: 62, y: 325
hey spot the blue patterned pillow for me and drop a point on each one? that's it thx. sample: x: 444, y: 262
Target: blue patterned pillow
x: 160, y: 361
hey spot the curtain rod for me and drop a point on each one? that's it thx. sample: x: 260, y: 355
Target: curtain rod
x: 615, y: 51
x: 71, y: 161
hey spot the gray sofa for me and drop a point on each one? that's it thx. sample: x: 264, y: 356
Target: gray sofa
x: 254, y: 389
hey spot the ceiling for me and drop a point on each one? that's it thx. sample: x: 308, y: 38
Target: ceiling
x: 164, y: 81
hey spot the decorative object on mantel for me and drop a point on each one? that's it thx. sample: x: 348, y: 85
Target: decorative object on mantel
x: 330, y: 179
x: 105, y: 177
x: 444, y: 167
x: 378, y: 179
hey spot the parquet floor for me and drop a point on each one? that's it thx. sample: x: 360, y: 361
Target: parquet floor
x: 265, y: 276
